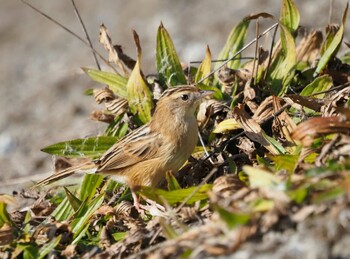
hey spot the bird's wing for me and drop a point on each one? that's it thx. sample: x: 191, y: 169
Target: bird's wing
x: 140, y: 145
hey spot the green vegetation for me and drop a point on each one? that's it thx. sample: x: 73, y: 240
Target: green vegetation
x: 278, y: 134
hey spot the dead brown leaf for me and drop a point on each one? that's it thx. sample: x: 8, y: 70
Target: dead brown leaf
x: 252, y: 129
x: 47, y: 232
x: 7, y: 234
x: 283, y: 123
x: 225, y: 186
x: 264, y: 111
x: 308, y: 130
x: 309, y: 102
x: 335, y: 101
x: 113, y: 56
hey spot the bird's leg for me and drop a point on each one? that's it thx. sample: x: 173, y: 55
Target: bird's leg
x: 136, y: 200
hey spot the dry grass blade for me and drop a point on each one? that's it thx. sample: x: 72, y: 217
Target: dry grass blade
x: 69, y: 31
x: 86, y: 33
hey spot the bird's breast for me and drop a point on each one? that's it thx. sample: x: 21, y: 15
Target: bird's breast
x: 181, y: 144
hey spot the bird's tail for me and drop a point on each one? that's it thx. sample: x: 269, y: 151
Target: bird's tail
x: 88, y: 167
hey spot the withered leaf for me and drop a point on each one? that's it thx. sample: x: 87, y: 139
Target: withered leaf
x: 253, y: 130
x: 308, y: 130
x: 103, y: 95
x: 113, y: 56
x: 309, y: 47
x: 309, y: 102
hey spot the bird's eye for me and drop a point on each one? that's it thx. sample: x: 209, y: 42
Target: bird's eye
x: 184, y: 97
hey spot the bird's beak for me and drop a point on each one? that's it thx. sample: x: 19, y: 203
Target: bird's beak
x: 204, y: 93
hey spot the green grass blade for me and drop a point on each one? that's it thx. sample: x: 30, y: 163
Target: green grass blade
x: 73, y: 200
x: 89, y: 186
x: 63, y: 211
x: 47, y: 248
x: 81, y: 234
x: 83, y: 215
x: 118, y: 236
x: 334, y: 45
x: 176, y: 196
x: 283, y: 71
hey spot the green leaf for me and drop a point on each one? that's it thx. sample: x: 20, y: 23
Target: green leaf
x: 117, y: 128
x: 47, y: 248
x: 290, y: 15
x: 232, y: 220
x: 80, y: 234
x: 260, y: 205
x: 274, y: 145
x: 234, y: 43
x: 30, y: 250
x: 320, y: 84
x: 116, y: 82
x: 298, y: 195
x: 4, y: 216
x: 261, y: 178
x: 334, y: 45
x: 329, y: 195
x: 204, y: 68
x: 118, y: 236
x: 87, y: 147
x: 232, y: 168
x: 285, y: 63
x: 226, y: 125
x: 139, y: 95
x: 89, y: 186
x: 176, y: 196
x: 346, y: 58
x: 168, y: 64
x: 73, y: 200
x: 218, y: 95
x: 287, y: 162
x: 173, y: 184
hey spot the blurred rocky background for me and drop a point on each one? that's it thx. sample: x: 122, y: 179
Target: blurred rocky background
x: 42, y: 85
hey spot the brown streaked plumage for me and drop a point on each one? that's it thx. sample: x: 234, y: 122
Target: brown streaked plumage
x: 164, y: 144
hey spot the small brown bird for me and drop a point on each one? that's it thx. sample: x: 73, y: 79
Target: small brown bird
x: 164, y: 144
